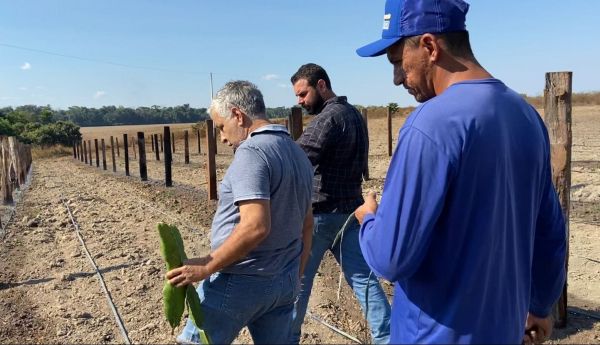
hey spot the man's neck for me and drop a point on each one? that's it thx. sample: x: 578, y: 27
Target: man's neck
x: 328, y: 94
x: 457, y: 71
x: 258, y: 123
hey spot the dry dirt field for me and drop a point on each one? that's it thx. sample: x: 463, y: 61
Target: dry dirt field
x: 50, y: 293
x: 104, y: 132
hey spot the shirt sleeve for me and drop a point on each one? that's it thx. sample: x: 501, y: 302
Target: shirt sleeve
x: 249, y: 176
x: 316, y: 139
x: 548, y: 272
x: 395, y: 239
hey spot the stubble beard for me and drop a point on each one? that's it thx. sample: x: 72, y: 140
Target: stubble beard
x: 313, y: 109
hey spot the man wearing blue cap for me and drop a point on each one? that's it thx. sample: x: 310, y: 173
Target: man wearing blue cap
x: 469, y: 227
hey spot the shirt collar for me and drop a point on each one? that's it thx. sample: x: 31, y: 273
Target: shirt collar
x: 336, y: 99
x: 270, y: 128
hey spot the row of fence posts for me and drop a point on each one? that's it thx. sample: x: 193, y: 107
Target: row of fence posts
x: 82, y: 151
x: 158, y: 142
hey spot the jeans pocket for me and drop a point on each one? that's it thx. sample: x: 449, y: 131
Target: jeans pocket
x: 291, y: 288
x: 221, y: 291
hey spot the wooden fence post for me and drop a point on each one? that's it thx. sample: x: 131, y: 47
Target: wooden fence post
x: 112, y: 150
x: 152, y: 141
x: 161, y: 143
x: 168, y: 157
x: 118, y: 150
x: 90, y: 152
x: 5, y: 175
x: 156, y: 150
x: 126, y: 152
x: 142, y: 160
x: 186, y: 147
x: 389, y: 130
x: 103, y: 154
x: 85, y: 151
x: 81, y: 150
x: 557, y: 117
x: 198, y: 137
x: 74, y: 149
x: 210, y: 158
x: 97, y: 155
x: 295, y: 122
x: 215, y: 136
x: 366, y: 120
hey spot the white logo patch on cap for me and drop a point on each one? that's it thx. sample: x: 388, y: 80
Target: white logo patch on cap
x: 386, y: 21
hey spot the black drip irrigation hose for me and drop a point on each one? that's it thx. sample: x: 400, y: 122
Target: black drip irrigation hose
x: 584, y: 313
x: 339, y: 237
x: 100, y: 278
x: 333, y: 328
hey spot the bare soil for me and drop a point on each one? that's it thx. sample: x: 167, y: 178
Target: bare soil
x: 49, y: 292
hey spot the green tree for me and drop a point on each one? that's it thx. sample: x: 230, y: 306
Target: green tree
x: 6, y: 128
x: 46, y: 115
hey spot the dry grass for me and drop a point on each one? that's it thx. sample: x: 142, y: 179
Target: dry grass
x: 105, y: 132
x: 38, y: 152
x: 381, y: 112
x: 577, y: 99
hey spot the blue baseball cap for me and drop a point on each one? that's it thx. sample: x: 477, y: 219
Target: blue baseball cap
x: 406, y: 18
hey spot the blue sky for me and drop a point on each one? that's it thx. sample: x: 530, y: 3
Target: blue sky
x: 142, y: 53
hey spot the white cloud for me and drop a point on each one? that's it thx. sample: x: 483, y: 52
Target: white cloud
x: 284, y: 86
x: 270, y: 77
x: 26, y: 66
x: 99, y: 94
x: 23, y: 88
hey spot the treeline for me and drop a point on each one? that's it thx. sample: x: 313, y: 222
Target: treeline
x: 42, y: 125
x: 37, y: 125
x: 116, y: 116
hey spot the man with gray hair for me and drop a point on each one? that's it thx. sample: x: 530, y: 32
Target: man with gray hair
x: 261, y: 232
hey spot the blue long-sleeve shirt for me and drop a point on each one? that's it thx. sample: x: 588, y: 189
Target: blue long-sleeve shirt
x: 469, y: 227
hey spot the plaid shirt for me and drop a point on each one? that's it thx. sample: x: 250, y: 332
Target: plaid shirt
x: 337, y: 144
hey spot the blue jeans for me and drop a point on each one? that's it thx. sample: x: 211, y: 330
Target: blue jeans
x: 356, y: 272
x: 231, y: 301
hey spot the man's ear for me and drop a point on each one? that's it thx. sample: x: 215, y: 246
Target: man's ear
x: 239, y: 116
x: 321, y: 86
x: 432, y: 45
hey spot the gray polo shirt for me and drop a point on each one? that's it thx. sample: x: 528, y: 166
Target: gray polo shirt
x: 268, y: 165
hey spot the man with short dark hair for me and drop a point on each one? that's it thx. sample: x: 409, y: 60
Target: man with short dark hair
x: 469, y: 227
x: 260, y: 235
x: 337, y: 144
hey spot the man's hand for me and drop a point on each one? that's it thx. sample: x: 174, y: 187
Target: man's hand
x: 537, y: 330
x: 370, y: 206
x: 193, y: 270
